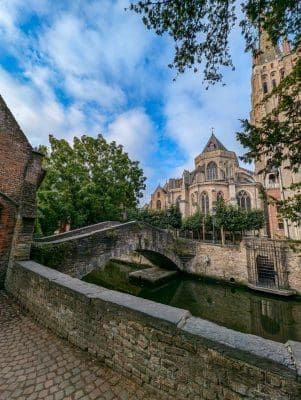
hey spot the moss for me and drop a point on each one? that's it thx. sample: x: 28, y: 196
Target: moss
x: 51, y: 254
x: 112, y: 234
x: 146, y: 242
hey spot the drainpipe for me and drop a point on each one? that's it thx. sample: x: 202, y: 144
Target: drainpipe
x: 286, y: 226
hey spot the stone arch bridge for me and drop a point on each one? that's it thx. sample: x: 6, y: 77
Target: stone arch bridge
x: 80, y: 251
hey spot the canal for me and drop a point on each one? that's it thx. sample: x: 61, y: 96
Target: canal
x: 236, y: 308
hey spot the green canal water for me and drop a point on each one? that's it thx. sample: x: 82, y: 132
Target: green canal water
x: 240, y: 309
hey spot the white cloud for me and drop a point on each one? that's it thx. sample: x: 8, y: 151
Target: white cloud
x: 95, y: 90
x: 135, y: 131
x: 39, y: 114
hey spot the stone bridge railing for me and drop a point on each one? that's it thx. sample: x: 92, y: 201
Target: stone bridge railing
x: 80, y: 252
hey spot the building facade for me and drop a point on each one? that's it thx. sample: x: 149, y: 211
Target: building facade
x: 20, y: 175
x: 269, y: 68
x: 217, y: 174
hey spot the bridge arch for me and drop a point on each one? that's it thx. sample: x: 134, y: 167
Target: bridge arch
x: 80, y: 254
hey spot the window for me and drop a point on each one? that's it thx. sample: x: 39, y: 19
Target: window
x: 211, y: 171
x: 273, y: 178
x: 282, y: 73
x: 194, y: 198
x: 158, y: 205
x: 280, y: 224
x: 158, y: 194
x: 220, y: 196
x: 265, y: 87
x: 244, y: 200
x: 274, y: 83
x: 204, y: 203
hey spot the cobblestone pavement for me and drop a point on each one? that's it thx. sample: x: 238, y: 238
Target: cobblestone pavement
x: 36, y: 364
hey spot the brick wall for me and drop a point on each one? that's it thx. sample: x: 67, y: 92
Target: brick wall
x: 20, y: 175
x: 161, y: 347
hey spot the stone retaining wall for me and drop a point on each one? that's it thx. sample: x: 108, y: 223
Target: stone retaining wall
x: 228, y: 263
x: 161, y: 347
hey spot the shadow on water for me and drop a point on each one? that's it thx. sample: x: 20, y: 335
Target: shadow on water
x: 236, y: 308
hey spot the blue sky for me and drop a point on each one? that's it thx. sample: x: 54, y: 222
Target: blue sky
x: 77, y: 67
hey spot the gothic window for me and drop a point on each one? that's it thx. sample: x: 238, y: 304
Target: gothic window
x: 265, y: 87
x: 244, y: 200
x: 273, y: 178
x: 220, y: 196
x: 204, y: 203
x: 178, y: 200
x: 194, y: 198
x: 282, y: 73
x: 158, y: 205
x: 158, y: 194
x: 211, y: 171
x: 274, y: 83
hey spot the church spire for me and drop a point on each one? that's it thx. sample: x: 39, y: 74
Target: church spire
x: 213, y: 144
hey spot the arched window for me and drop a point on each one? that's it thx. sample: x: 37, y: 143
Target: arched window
x: 211, y: 171
x: 158, y: 194
x: 265, y: 87
x: 204, y: 203
x: 244, y: 200
x: 273, y: 178
x: 274, y: 83
x: 220, y: 196
x: 282, y: 73
x: 158, y: 205
x: 178, y: 200
x: 194, y: 198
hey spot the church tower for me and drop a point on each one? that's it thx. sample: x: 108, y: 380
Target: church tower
x: 270, y: 66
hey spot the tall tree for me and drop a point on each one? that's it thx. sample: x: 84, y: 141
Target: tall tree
x: 201, y: 28
x: 87, y: 182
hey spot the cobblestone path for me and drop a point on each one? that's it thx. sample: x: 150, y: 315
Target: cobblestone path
x: 35, y: 364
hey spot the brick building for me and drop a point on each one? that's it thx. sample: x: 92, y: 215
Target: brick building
x: 217, y: 174
x: 269, y: 67
x: 20, y: 176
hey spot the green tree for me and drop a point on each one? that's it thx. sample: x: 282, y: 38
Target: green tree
x: 197, y: 223
x: 86, y: 182
x: 165, y: 219
x: 234, y: 219
x: 200, y: 29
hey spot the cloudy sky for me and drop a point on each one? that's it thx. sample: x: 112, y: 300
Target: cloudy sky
x: 74, y: 67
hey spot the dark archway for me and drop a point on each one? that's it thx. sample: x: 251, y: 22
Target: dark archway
x: 158, y: 259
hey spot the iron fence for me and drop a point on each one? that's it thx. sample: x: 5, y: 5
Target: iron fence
x: 267, y: 263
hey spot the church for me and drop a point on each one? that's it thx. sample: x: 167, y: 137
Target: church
x: 216, y: 175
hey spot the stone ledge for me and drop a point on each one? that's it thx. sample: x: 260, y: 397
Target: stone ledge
x: 253, y: 349
x: 259, y: 347
x: 156, y: 310
x: 277, y: 292
x: 294, y: 349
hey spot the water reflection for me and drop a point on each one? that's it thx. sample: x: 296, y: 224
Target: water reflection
x: 273, y: 318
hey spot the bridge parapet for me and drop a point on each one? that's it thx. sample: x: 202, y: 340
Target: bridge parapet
x: 80, y: 253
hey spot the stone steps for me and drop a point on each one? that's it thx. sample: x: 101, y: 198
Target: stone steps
x: 152, y: 276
